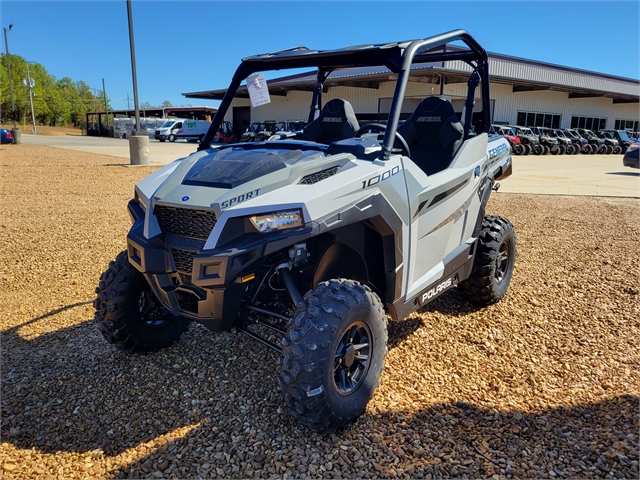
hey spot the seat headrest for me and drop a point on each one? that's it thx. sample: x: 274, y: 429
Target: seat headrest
x: 434, y: 119
x: 336, y: 121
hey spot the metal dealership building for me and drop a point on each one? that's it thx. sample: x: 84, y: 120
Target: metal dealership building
x: 523, y: 92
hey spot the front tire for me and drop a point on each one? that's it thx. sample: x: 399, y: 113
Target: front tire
x: 128, y: 314
x: 538, y: 149
x: 333, y: 355
x: 493, y: 263
x: 172, y: 138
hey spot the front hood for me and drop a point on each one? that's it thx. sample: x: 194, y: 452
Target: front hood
x: 220, y: 179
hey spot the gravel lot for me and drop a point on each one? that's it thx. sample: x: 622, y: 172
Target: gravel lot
x: 544, y: 384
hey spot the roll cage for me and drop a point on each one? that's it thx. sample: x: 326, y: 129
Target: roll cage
x: 397, y: 57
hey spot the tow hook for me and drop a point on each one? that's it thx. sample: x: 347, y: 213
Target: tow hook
x: 496, y: 187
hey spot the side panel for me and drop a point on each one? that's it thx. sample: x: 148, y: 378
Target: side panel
x: 443, y: 206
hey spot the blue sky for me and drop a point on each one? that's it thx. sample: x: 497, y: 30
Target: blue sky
x: 192, y: 46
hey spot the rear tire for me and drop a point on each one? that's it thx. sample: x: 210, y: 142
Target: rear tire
x: 518, y: 149
x: 562, y: 149
x: 546, y: 150
x: 333, y: 355
x: 123, y: 295
x: 527, y: 149
x: 493, y: 263
x: 537, y: 150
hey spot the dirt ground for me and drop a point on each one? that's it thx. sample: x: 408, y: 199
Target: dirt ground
x: 546, y: 383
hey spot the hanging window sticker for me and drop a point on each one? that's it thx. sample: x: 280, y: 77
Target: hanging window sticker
x: 258, y: 91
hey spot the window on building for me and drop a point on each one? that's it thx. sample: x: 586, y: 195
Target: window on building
x: 533, y: 119
x: 622, y: 124
x: 590, y: 123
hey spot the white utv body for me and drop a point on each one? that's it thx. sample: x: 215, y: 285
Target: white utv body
x: 319, y: 237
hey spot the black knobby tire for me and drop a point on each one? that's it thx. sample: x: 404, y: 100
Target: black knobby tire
x: 518, y: 149
x: 527, y: 149
x: 537, y: 149
x: 122, y: 293
x: 617, y: 150
x: 546, y: 150
x: 493, y: 263
x: 325, y: 378
x: 562, y: 150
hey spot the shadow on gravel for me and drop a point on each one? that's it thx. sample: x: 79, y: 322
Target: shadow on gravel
x: 121, y: 409
x: 448, y: 440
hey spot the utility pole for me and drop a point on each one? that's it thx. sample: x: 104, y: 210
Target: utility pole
x: 15, y: 132
x: 138, y: 143
x: 31, y: 83
x: 133, y: 66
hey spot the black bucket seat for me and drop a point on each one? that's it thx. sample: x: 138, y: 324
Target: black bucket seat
x: 336, y: 121
x: 433, y: 134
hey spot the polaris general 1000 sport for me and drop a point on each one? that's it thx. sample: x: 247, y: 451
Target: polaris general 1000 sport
x: 322, y: 236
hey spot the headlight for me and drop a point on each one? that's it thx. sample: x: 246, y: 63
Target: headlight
x: 277, y: 220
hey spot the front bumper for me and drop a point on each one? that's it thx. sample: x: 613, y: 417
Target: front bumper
x: 205, y: 286
x: 201, y: 289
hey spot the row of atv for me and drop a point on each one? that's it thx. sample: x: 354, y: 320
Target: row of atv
x: 257, y: 131
x: 544, y: 141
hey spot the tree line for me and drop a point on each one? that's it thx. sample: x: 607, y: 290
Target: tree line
x: 56, y: 102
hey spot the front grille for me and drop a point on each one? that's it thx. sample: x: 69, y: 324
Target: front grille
x: 318, y: 176
x: 183, y: 260
x: 185, y: 222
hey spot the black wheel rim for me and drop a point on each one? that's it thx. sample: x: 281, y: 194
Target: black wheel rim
x: 352, y: 358
x: 151, y: 314
x: 502, y: 261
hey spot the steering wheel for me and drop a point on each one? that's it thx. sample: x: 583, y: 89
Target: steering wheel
x: 381, y: 128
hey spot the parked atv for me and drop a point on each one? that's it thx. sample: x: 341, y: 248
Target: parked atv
x: 612, y: 143
x: 624, y: 139
x: 597, y: 144
x: 586, y: 148
x: 249, y: 135
x: 549, y: 143
x: 564, y: 144
x: 509, y: 133
x: 529, y: 139
x: 318, y: 240
x: 575, y: 143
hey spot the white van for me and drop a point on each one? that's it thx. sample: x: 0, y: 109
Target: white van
x: 192, y: 130
x: 167, y: 130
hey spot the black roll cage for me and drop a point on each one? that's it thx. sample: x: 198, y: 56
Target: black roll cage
x: 397, y: 57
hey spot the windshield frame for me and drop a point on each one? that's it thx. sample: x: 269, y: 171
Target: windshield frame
x: 398, y: 57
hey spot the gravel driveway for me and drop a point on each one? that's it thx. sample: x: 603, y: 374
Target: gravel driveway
x: 545, y: 383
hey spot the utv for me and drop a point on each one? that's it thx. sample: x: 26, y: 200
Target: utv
x: 574, y: 144
x: 509, y: 133
x: 529, y: 139
x: 587, y: 148
x: 319, y: 239
x: 549, y: 144
x: 597, y: 144
x: 564, y: 144
x: 612, y: 144
x: 624, y: 139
